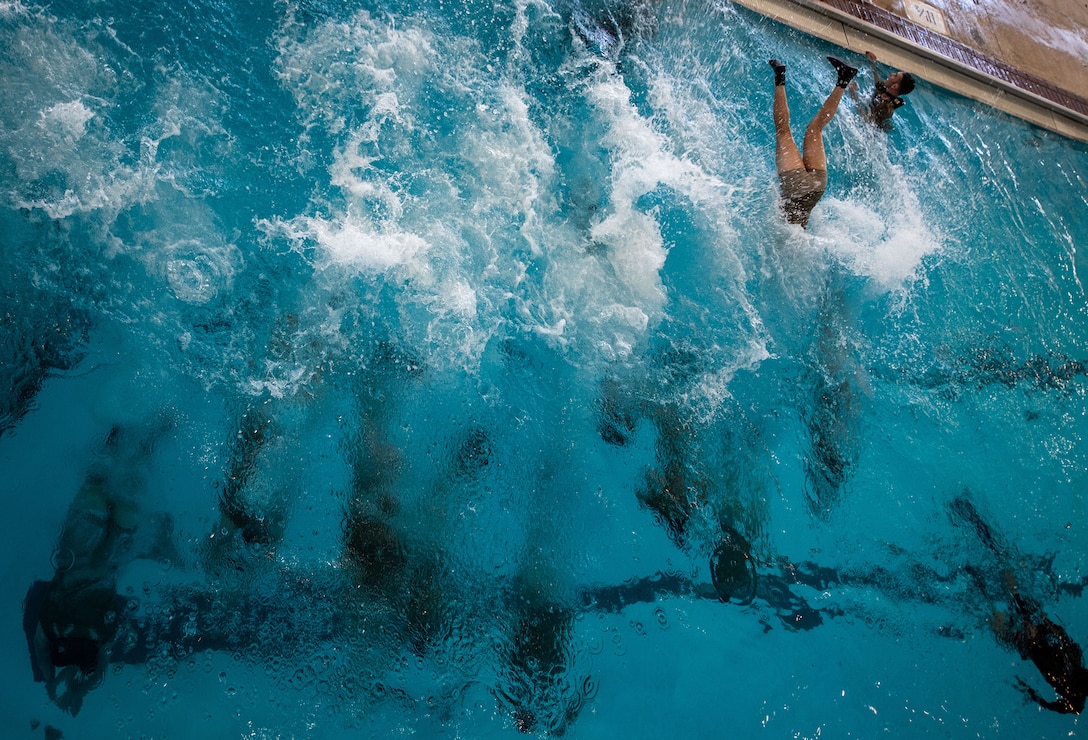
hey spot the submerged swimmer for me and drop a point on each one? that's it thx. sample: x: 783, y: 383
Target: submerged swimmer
x: 537, y: 687
x: 832, y: 423
x: 374, y: 536
x: 803, y: 176
x: 1027, y: 628
x: 1046, y: 644
x: 74, y: 618
x: 672, y: 489
x: 255, y: 431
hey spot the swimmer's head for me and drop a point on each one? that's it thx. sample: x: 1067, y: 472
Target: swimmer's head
x: 900, y: 83
x: 374, y: 549
x: 732, y: 570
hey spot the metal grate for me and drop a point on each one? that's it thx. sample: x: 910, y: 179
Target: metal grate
x: 961, y: 53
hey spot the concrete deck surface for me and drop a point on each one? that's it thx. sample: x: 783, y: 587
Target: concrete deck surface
x: 1028, y: 59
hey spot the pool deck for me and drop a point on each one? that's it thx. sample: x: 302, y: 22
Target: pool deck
x: 1028, y: 59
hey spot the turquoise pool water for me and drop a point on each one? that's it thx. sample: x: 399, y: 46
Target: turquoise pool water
x: 446, y: 369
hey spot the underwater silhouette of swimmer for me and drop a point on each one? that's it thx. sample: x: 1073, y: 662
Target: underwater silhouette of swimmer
x: 536, y: 682
x: 178, y: 621
x: 675, y: 490
x: 832, y: 415
x: 1026, y: 628
x: 802, y: 173
x: 385, y: 557
x: 830, y: 460
x: 375, y: 551
x: 536, y: 687
x: 374, y: 543
x: 538, y: 654
x: 35, y: 346
x: 672, y: 490
x: 732, y: 569
x: 616, y: 421
x: 1046, y: 644
x: 76, y: 616
x: 256, y: 430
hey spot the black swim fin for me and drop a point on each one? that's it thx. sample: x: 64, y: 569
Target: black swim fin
x: 845, y: 71
x: 32, y: 609
x: 779, y: 71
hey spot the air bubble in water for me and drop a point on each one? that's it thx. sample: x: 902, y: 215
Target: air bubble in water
x: 662, y: 619
x: 197, y: 273
x: 590, y: 686
x: 191, y: 280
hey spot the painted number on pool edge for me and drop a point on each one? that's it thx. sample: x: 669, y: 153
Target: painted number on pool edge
x: 927, y: 15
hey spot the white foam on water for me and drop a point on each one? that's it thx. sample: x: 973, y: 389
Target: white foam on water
x: 12, y: 8
x: 526, y: 12
x: 644, y: 160
x: 374, y: 226
x: 80, y: 153
x: 70, y: 154
x: 68, y: 120
x: 886, y: 248
x: 699, y: 127
x: 878, y: 228
x: 641, y: 162
x: 515, y: 165
x: 62, y: 84
x: 373, y: 231
x: 364, y: 58
x: 358, y: 243
x: 465, y: 222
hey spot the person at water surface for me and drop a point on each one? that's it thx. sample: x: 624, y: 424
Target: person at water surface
x: 803, y: 172
x: 887, y: 95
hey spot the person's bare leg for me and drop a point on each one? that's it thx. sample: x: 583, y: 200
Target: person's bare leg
x: 786, y: 155
x: 815, y: 158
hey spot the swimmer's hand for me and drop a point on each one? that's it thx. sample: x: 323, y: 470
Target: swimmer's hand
x: 853, y: 88
x: 1062, y: 705
x: 870, y: 56
x: 68, y: 689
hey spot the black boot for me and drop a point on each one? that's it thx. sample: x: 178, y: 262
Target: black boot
x: 846, y: 72
x: 779, y: 71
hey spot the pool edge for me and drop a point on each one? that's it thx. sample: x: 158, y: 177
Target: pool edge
x: 1009, y: 95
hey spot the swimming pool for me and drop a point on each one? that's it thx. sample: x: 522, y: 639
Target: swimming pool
x: 411, y: 364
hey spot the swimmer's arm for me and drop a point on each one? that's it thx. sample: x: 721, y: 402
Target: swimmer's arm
x: 877, y: 79
x: 852, y: 88
x: 862, y: 106
x: 1063, y: 705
